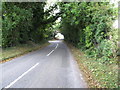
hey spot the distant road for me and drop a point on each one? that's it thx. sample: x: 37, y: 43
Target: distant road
x: 50, y: 67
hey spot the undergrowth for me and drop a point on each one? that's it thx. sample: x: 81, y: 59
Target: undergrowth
x: 97, y: 74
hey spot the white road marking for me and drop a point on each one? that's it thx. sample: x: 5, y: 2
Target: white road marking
x: 50, y: 53
x: 52, y: 50
x: 56, y: 46
x: 21, y: 76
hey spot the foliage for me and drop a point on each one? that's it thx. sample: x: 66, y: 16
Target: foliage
x: 13, y: 52
x: 87, y: 25
x: 23, y: 21
x: 98, y: 75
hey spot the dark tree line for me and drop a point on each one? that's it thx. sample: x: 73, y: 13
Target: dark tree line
x: 25, y: 21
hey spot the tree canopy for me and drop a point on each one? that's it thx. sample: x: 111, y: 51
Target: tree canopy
x: 23, y: 21
x: 87, y: 25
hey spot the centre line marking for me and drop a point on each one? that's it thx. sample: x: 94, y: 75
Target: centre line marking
x: 21, y: 76
x: 50, y: 53
x: 56, y: 46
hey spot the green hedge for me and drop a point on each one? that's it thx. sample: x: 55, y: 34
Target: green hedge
x: 87, y: 25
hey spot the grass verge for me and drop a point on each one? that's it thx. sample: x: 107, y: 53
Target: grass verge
x: 13, y: 52
x: 96, y: 74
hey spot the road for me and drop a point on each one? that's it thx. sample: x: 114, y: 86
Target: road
x: 50, y: 67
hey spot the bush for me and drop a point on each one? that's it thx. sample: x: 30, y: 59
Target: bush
x: 87, y: 25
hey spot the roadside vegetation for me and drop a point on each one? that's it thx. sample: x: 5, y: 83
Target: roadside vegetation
x: 24, y: 22
x: 96, y: 74
x: 13, y: 52
x: 88, y: 27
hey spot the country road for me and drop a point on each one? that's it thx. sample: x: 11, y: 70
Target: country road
x: 50, y: 67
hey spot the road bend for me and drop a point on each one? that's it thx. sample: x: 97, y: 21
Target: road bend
x: 50, y: 67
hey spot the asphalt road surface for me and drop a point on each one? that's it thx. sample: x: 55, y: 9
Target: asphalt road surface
x: 50, y: 67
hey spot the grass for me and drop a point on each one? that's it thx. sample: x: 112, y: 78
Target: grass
x: 12, y: 52
x: 96, y: 74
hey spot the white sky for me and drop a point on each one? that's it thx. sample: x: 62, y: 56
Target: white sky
x: 51, y: 3
x: 115, y: 2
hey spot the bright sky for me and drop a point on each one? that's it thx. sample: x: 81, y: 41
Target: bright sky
x: 115, y: 2
x: 51, y: 3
